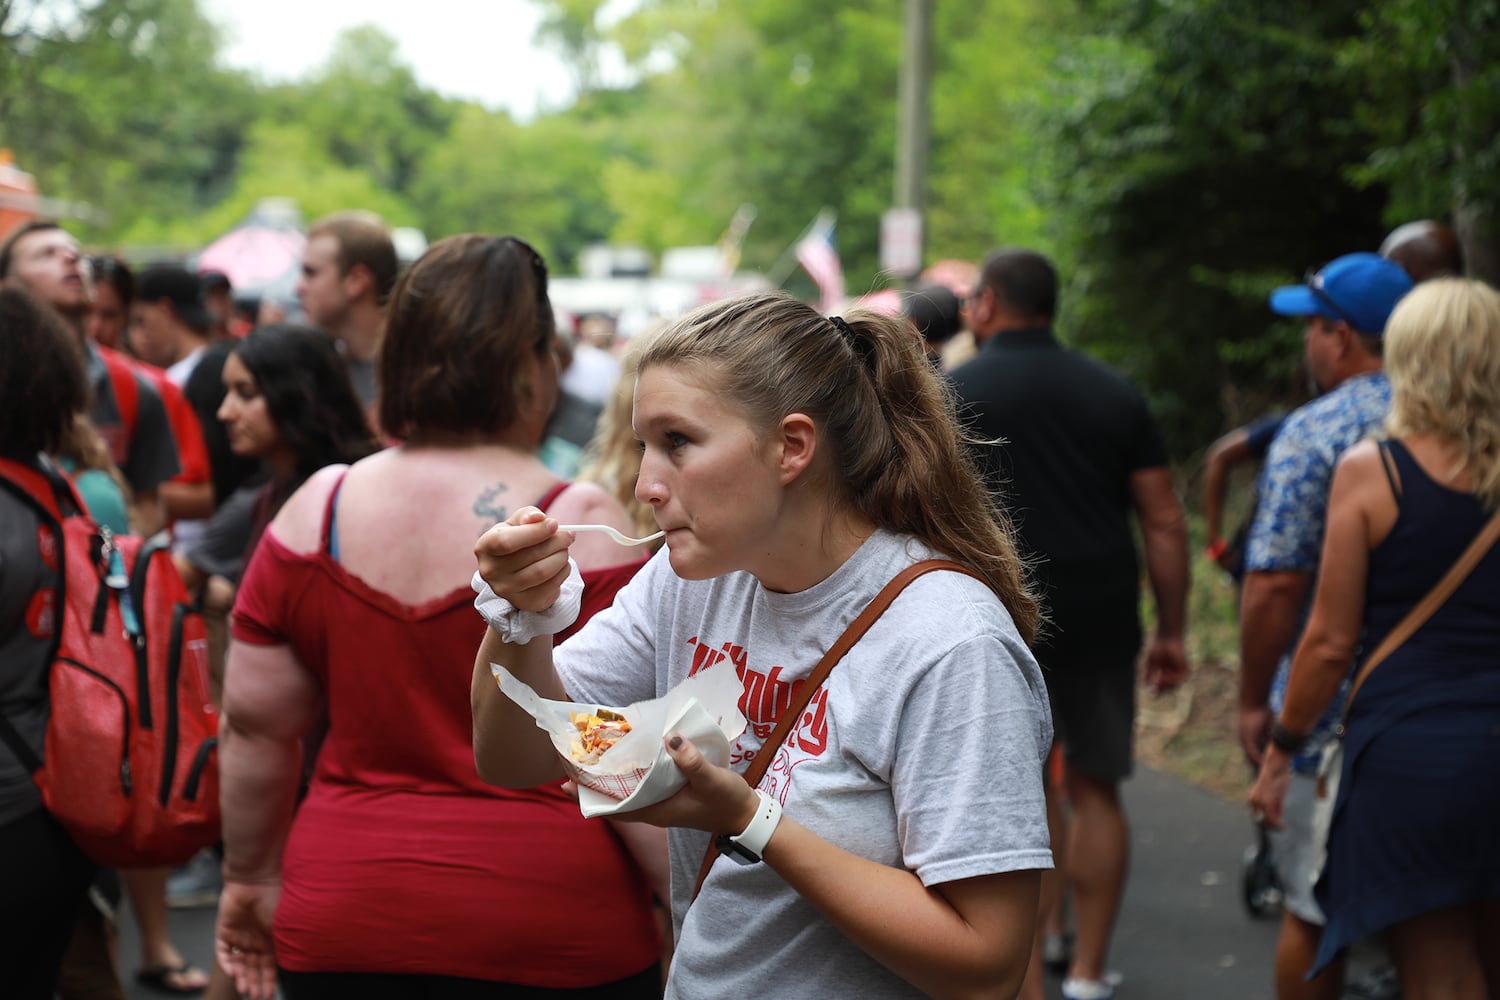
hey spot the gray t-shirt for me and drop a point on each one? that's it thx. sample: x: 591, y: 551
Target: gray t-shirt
x: 150, y: 457
x: 924, y: 751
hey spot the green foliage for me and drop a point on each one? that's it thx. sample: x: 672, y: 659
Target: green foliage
x: 540, y: 181
x: 1177, y: 158
x: 370, y: 110
x: 649, y: 205
x: 793, y: 106
x: 1203, y: 153
x: 1432, y: 70
x: 571, y: 26
x: 278, y: 159
x: 119, y: 103
x: 988, y: 169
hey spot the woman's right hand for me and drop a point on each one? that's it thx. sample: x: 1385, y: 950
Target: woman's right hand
x: 242, y: 939
x: 524, y: 559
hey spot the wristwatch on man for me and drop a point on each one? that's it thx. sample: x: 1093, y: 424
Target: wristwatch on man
x: 749, y: 845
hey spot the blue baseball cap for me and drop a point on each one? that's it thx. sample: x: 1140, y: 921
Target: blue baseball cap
x: 1359, y: 288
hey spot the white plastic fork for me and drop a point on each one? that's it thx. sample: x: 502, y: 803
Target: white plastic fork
x: 612, y: 533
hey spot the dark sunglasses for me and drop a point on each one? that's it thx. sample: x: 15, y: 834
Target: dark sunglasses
x: 538, y: 265
x: 538, y: 268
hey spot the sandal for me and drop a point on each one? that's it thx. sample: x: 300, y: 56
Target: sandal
x: 173, y: 979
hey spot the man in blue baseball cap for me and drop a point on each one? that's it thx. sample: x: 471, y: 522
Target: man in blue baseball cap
x: 1345, y: 305
x: 1349, y: 298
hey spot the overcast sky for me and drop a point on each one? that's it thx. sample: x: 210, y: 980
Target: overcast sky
x: 477, y: 49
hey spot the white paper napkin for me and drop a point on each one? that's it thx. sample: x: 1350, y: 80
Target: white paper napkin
x: 637, y: 771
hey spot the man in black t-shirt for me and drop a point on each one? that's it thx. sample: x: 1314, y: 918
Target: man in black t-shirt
x: 1078, y: 452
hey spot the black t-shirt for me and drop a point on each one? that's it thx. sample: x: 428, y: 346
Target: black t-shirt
x: 1073, y: 432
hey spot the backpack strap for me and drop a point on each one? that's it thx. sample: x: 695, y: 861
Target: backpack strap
x: 44, y: 486
x: 11, y: 737
x: 41, y: 488
x: 31, y: 486
x: 127, y: 392
x: 126, y: 398
x: 1423, y: 610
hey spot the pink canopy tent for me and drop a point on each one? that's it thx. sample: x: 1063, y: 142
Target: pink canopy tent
x: 255, y: 257
x: 886, y: 300
x: 958, y: 275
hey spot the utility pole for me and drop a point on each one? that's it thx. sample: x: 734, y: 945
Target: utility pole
x: 903, y: 226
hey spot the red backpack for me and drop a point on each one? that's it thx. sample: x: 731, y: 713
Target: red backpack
x: 128, y: 766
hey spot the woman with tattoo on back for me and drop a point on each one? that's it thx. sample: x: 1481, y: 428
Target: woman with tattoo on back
x: 401, y: 873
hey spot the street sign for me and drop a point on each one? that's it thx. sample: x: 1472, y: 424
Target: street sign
x: 901, y: 241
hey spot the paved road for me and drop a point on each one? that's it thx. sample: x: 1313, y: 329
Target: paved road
x: 1183, y: 935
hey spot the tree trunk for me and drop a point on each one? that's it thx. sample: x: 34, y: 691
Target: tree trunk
x: 1476, y: 233
x: 1476, y: 230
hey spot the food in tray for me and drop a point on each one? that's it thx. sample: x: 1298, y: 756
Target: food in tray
x: 597, y: 732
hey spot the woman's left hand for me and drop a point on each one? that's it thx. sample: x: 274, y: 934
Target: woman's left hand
x: 715, y: 798
x: 1268, y: 795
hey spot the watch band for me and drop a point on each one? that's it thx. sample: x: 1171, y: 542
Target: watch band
x: 1287, y: 740
x: 749, y: 845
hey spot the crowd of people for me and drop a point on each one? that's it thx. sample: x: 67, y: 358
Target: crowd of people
x: 338, y: 489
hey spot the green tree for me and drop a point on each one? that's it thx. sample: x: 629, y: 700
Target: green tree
x: 792, y: 106
x: 788, y: 106
x: 370, y: 110
x: 1201, y: 153
x: 279, y: 161
x: 572, y: 28
x: 541, y: 182
x: 1431, y: 75
x: 992, y: 66
x: 120, y: 103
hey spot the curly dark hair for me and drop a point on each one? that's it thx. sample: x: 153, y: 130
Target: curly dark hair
x: 43, y: 384
x: 309, y: 395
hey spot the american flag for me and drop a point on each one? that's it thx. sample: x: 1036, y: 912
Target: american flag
x: 820, y: 259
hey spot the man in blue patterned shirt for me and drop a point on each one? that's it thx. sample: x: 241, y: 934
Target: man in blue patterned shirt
x: 1346, y: 305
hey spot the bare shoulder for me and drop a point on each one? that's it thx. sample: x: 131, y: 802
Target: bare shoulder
x: 1362, y: 453
x: 1361, y: 489
x: 589, y: 503
x: 1360, y: 465
x: 299, y: 523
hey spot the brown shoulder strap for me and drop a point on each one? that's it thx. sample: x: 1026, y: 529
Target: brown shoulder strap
x: 809, y: 687
x: 1418, y: 615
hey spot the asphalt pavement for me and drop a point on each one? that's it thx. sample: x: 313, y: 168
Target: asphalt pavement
x: 1184, y: 932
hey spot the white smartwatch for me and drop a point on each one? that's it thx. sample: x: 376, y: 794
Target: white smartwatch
x: 749, y: 845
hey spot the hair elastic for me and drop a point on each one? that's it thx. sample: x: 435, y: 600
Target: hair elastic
x: 859, y: 345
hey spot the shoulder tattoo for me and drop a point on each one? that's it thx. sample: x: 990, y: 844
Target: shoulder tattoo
x: 490, y: 504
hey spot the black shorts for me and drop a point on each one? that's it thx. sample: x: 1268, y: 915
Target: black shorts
x: 1094, y: 709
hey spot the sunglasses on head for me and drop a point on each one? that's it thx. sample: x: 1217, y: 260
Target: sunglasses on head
x: 1313, y: 279
x: 539, y: 269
